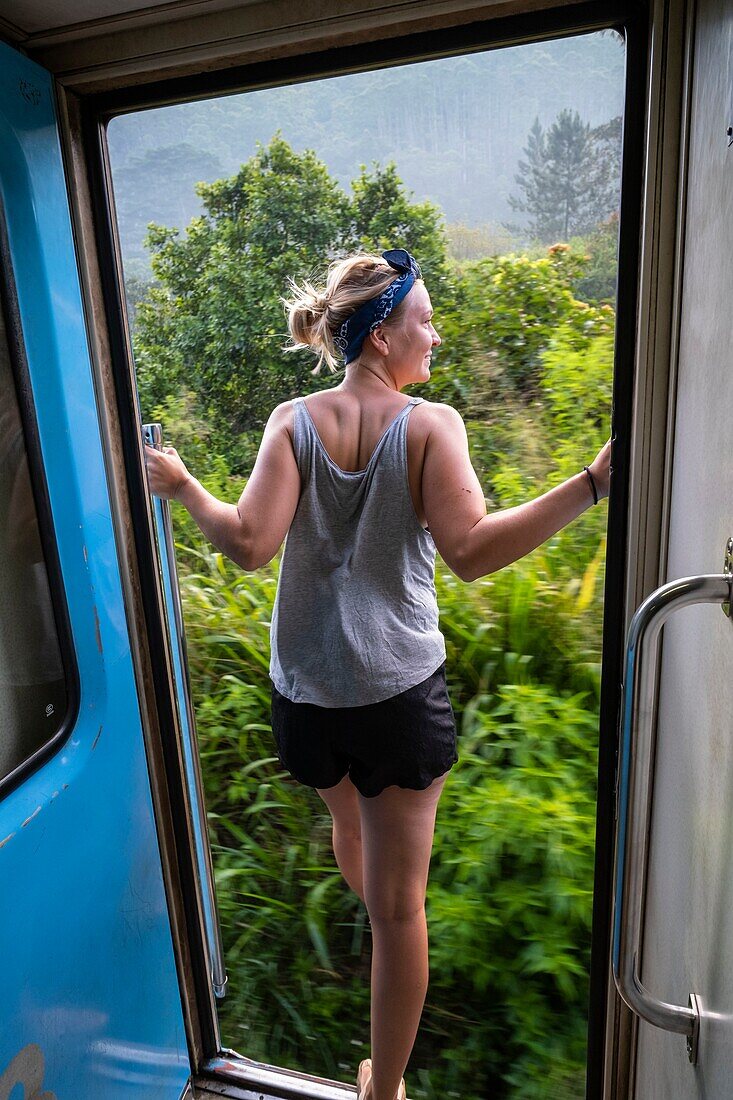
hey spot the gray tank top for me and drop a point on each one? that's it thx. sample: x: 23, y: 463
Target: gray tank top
x: 355, y: 618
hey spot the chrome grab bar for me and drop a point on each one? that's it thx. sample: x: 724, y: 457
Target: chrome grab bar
x: 153, y: 434
x: 635, y: 790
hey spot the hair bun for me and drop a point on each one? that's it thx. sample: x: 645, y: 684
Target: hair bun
x: 306, y: 311
x: 321, y: 301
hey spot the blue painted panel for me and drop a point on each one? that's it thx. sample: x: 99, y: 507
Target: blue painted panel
x: 89, y: 986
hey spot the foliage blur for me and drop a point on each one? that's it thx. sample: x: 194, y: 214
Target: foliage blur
x: 527, y: 358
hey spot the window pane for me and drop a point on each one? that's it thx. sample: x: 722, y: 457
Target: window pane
x: 33, y: 693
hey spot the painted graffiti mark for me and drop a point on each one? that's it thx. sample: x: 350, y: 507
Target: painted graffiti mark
x: 26, y: 1069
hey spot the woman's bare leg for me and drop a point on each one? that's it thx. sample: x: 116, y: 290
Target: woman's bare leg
x: 397, y: 839
x: 343, y: 803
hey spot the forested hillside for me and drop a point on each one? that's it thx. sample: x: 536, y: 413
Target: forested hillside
x: 454, y: 127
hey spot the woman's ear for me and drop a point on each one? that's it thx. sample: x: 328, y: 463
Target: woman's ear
x: 379, y: 342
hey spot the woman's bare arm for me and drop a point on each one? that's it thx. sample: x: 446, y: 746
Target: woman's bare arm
x: 251, y: 531
x: 472, y: 543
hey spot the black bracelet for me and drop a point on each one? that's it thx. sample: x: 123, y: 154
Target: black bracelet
x: 593, y: 485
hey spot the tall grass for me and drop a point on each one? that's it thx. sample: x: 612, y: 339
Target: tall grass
x: 510, y: 891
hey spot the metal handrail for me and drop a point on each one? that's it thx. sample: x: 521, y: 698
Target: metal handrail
x: 636, y: 779
x: 164, y: 528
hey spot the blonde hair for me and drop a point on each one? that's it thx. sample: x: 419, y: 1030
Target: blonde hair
x: 315, y: 316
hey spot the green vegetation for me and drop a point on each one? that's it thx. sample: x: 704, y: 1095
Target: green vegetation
x: 527, y: 359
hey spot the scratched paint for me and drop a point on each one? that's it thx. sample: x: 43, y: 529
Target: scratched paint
x: 30, y: 818
x: 97, y: 629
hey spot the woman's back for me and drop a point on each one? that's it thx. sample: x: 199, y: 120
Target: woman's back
x: 350, y: 426
x: 355, y: 617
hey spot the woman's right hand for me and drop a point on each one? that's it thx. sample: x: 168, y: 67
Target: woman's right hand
x: 166, y: 471
x: 600, y: 468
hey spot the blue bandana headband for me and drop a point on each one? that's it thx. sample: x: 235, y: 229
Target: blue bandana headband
x: 355, y: 329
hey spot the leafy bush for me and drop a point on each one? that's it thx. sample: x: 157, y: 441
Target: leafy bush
x: 511, y: 890
x: 509, y: 308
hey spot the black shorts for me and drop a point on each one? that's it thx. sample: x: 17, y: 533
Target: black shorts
x: 407, y: 741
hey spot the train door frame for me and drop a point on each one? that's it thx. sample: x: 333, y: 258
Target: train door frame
x: 662, y: 254
x: 83, y: 117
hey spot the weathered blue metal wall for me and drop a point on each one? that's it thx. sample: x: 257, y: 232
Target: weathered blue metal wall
x: 90, y: 997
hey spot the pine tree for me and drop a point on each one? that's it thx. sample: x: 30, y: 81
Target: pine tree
x: 569, y: 178
x: 533, y: 178
x: 605, y: 175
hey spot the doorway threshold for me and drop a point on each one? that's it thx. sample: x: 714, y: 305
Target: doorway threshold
x: 242, y: 1078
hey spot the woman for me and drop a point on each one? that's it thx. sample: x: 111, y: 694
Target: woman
x: 367, y: 483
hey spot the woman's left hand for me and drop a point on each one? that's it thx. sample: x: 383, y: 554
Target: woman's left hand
x: 600, y: 468
x: 166, y: 472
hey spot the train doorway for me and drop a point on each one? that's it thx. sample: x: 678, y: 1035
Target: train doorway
x: 204, y: 299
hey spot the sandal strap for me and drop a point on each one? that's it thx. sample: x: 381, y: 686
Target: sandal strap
x: 365, y: 1065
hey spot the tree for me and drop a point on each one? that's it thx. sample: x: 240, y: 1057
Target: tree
x: 214, y: 322
x: 605, y: 169
x: 534, y: 180
x: 383, y: 213
x: 569, y: 178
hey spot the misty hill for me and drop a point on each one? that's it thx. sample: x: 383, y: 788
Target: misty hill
x: 455, y: 127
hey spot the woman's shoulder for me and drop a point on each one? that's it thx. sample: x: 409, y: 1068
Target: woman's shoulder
x: 440, y: 416
x: 438, y: 408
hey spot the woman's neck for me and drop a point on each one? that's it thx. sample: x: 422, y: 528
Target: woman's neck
x: 366, y: 379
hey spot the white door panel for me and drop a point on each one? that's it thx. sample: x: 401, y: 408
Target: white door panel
x: 688, y: 922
